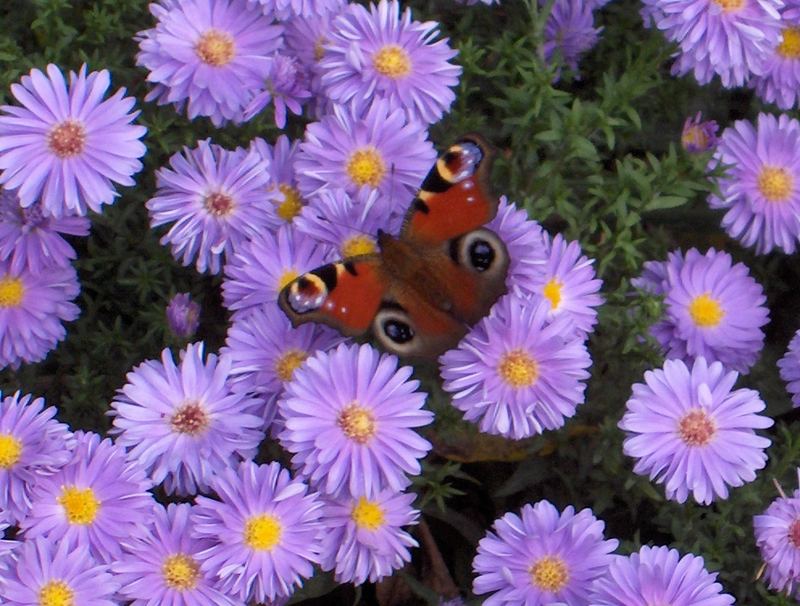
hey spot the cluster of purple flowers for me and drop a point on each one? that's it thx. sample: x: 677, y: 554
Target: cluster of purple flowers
x: 62, y: 149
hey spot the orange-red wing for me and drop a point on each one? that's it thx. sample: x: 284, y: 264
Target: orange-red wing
x: 345, y: 295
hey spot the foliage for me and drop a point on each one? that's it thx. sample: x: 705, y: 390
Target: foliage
x: 594, y: 155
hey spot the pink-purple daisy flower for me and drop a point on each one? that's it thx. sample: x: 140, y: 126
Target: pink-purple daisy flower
x: 98, y: 499
x: 698, y: 135
x: 381, y: 53
x: 777, y: 533
x: 258, y: 271
x: 291, y: 9
x: 33, y: 309
x: 282, y: 185
x: 182, y: 422
x: 265, y: 532
x: 364, y: 538
x: 691, y: 431
x: 542, y: 556
x: 285, y: 85
x: 348, y: 224
x: 50, y: 573
x: 569, y: 31
x: 183, y: 315
x: 265, y: 351
x: 789, y: 366
x: 729, y: 38
x: 377, y: 148
x: 65, y: 146
x: 780, y: 77
x: 211, y: 55
x: 714, y: 308
x: 162, y: 567
x: 33, y: 240
x: 348, y: 418
x: 306, y: 39
x: 517, y: 372
x: 213, y: 200
x: 659, y: 575
x: 33, y: 445
x: 761, y: 188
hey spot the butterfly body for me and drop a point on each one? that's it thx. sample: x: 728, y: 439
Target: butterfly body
x: 426, y: 286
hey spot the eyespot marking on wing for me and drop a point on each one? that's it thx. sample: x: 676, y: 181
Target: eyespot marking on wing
x: 307, y: 293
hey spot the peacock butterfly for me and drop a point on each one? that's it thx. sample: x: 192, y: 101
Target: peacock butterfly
x: 425, y: 287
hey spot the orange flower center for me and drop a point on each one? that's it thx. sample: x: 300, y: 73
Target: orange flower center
x: 190, y: 419
x: 67, y: 139
x: 215, y: 48
x: 357, y: 423
x: 696, y: 428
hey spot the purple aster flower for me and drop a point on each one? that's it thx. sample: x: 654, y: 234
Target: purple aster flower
x: 715, y: 309
x: 781, y: 71
x: 183, y: 315
x: 162, y: 567
x: 286, y: 85
x: 210, y: 54
x: 55, y: 573
x: 382, y: 54
x: 286, y: 9
x: 214, y: 199
x: 306, y: 40
x: 730, y: 38
x: 542, y: 556
x: 364, y: 537
x: 349, y: 225
x: 569, y: 31
x: 265, y: 350
x: 32, y: 240
x: 66, y: 146
x: 32, y: 445
x: 265, y: 529
x: 789, y: 366
x: 348, y: 417
x: 659, y: 575
x: 761, y: 189
x: 379, y: 150
x: 182, y: 423
x: 282, y: 184
x: 691, y: 431
x: 699, y: 136
x: 33, y: 308
x: 567, y: 281
x: 777, y: 532
x: 98, y: 499
x: 518, y: 373
x: 526, y: 241
x: 263, y: 266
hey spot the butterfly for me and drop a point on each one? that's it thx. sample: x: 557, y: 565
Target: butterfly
x: 420, y: 294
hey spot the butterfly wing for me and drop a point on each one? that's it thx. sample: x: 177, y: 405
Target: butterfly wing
x: 454, y: 198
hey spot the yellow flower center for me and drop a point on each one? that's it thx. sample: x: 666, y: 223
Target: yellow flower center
x: 180, y: 572
x: 190, y: 419
x: 357, y: 423
x: 215, y: 48
x: 706, y: 311
x: 358, y: 245
x: 365, y: 166
x: 696, y: 428
x: 67, y: 139
x: 775, y: 184
x: 286, y: 277
x: 56, y: 593
x: 319, y: 48
x: 694, y: 137
x: 730, y: 6
x: 368, y: 514
x: 392, y: 61
x: 518, y: 369
x: 289, y: 362
x: 80, y: 504
x: 10, y: 450
x: 552, y: 292
x: 219, y: 204
x: 262, y: 532
x: 292, y: 202
x: 550, y: 573
x: 789, y: 48
x: 11, y: 291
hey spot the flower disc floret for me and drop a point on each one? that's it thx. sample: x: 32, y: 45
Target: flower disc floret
x: 66, y: 147
x: 542, y: 556
x: 348, y: 417
x: 691, y: 431
x: 777, y: 532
